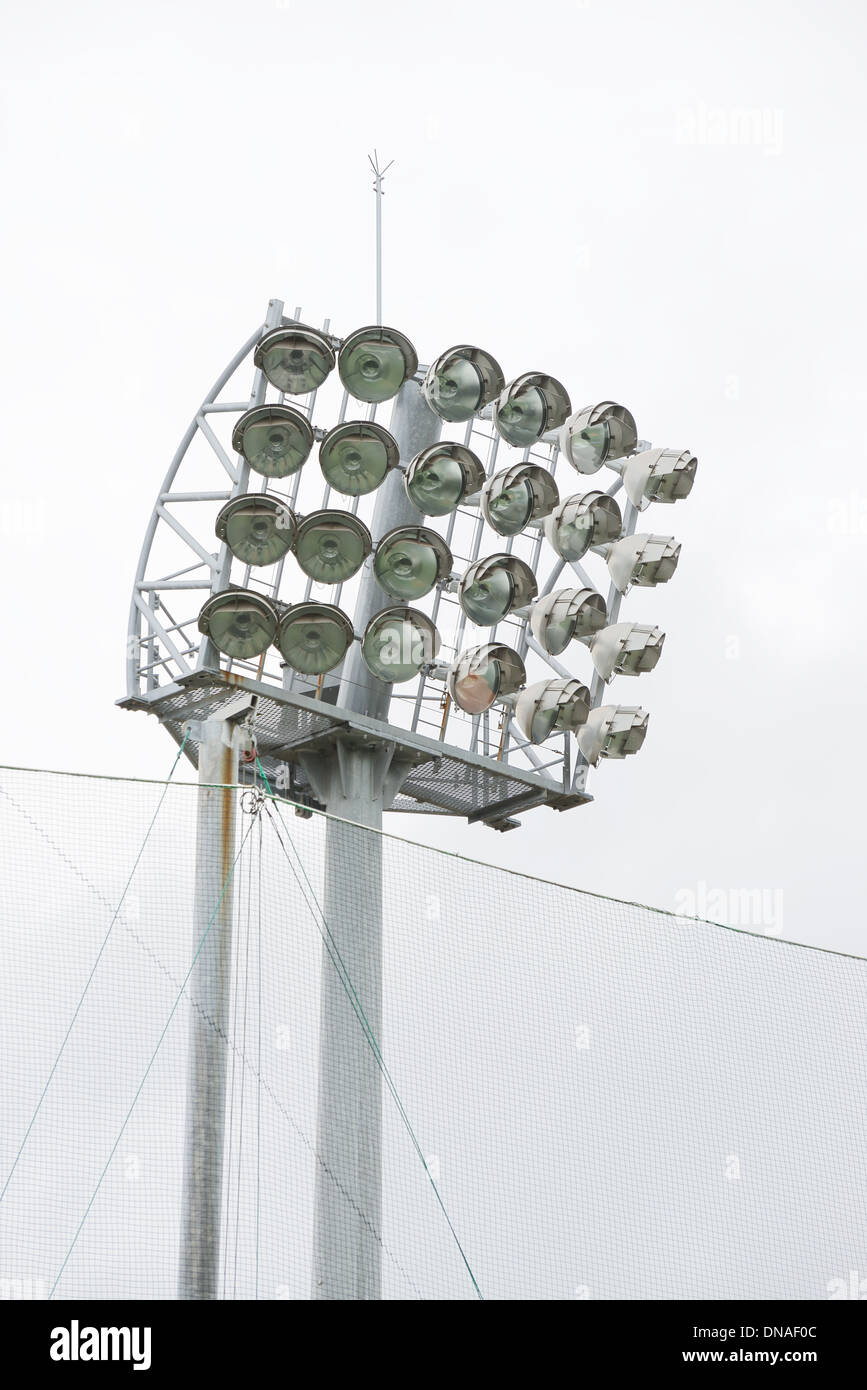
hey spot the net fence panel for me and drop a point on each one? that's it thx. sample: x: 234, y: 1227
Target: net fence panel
x: 597, y: 1100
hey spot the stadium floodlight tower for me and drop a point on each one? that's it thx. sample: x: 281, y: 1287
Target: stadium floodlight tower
x: 290, y: 506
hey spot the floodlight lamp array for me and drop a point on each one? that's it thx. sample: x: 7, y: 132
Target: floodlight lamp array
x: 332, y: 545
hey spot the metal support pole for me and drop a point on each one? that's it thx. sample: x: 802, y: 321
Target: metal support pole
x: 209, y: 994
x: 347, y: 1212
x: 357, y: 783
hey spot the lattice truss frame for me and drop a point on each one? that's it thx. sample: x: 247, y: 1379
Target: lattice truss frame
x: 182, y: 560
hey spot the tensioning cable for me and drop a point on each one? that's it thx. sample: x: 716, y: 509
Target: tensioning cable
x: 153, y: 1058
x: 89, y: 979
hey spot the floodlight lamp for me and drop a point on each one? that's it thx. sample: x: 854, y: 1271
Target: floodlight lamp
x: 493, y: 587
x: 274, y: 439
x: 374, y: 362
x: 258, y: 529
x: 441, y: 476
x: 550, y: 707
x: 461, y: 382
x: 626, y: 649
x: 314, y: 637
x: 410, y: 560
x: 294, y: 359
x: 356, y: 456
x: 598, y: 434
x: 239, y: 624
x: 397, y: 642
x: 642, y: 560
x: 589, y: 518
x: 612, y: 731
x: 529, y: 406
x: 483, y: 675
x: 566, y: 615
x: 331, y: 546
x: 659, y: 475
x: 517, y: 496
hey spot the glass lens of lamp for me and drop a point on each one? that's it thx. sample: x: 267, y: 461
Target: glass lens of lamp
x: 275, y: 448
x: 522, y: 419
x: 242, y: 628
x: 477, y: 690
x: 511, y: 509
x: 590, y: 447
x: 313, y: 643
x: 295, y: 366
x: 488, y: 599
x: 373, y: 371
x: 456, y: 391
x: 657, y: 571
x: 574, y: 536
x: 559, y: 630
x: 438, y: 486
x: 651, y: 569
x: 394, y: 649
x: 328, y: 552
x: 622, y: 438
x: 673, y: 485
x: 543, y: 724
x: 662, y: 488
x: 406, y: 569
x: 607, y: 521
x: 571, y: 717
x: 634, y: 739
x: 634, y: 663
x: 354, y: 465
x: 254, y: 535
x: 624, y: 742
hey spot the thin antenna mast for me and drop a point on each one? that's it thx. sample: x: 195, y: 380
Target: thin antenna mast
x: 379, y: 175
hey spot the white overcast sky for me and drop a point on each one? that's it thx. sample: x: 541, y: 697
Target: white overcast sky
x: 659, y: 204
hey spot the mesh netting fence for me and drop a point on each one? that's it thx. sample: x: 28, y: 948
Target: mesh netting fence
x: 584, y: 1097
